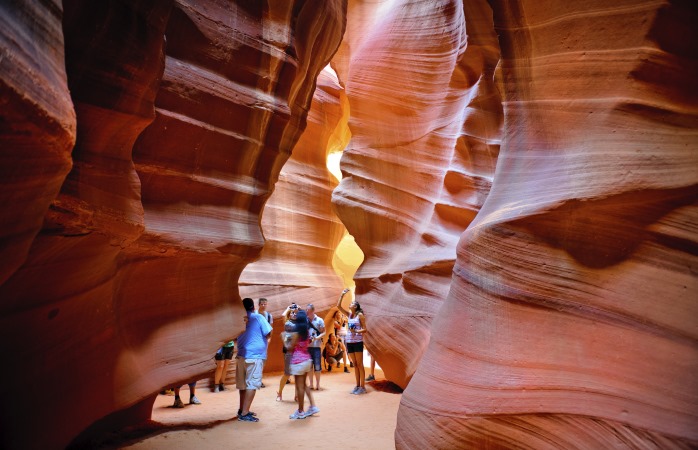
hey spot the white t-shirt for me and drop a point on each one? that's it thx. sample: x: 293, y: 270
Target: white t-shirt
x: 320, y: 325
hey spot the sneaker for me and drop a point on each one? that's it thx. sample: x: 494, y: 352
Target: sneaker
x: 216, y: 389
x: 346, y: 370
x: 370, y: 378
x: 297, y: 415
x: 248, y: 418
x: 354, y: 391
x: 178, y: 403
x: 221, y: 387
x: 194, y: 401
x: 249, y: 413
x: 312, y: 410
x: 360, y: 391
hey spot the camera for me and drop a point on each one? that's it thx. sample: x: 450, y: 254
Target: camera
x: 293, y: 306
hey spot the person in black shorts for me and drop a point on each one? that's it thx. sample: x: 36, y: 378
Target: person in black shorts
x: 223, y: 357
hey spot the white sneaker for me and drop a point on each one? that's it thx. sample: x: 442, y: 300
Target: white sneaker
x: 360, y: 391
x: 312, y: 410
x: 355, y: 390
x: 297, y: 415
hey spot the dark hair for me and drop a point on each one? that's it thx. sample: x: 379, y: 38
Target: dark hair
x: 248, y: 303
x: 358, y: 308
x: 302, y: 324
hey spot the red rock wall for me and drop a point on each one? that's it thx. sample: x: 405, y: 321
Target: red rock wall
x: 425, y: 123
x: 186, y: 113
x: 301, y: 236
x: 571, y: 319
x: 37, y: 124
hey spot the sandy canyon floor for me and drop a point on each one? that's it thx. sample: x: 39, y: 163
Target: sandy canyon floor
x: 345, y: 420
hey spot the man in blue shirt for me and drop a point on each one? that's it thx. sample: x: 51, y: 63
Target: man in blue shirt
x: 252, y: 351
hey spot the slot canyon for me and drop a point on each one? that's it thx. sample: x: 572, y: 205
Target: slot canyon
x: 518, y: 198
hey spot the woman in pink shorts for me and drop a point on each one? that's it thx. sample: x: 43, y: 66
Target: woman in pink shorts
x: 300, y: 366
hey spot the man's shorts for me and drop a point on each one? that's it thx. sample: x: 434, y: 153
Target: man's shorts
x: 225, y: 353
x: 248, y: 373
x: 316, y: 357
x: 355, y: 347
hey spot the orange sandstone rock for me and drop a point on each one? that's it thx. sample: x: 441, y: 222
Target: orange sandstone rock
x: 571, y: 318
x: 186, y: 113
x: 426, y: 123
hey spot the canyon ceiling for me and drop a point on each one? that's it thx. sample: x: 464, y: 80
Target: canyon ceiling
x: 521, y: 177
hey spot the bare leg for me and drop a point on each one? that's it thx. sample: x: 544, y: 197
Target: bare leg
x: 226, y: 362
x: 248, y: 397
x: 312, y: 373
x: 359, y: 369
x: 300, y: 390
x: 352, y: 358
x: 219, y: 371
x: 372, y: 365
x: 310, y: 396
x: 242, y: 399
x: 282, y: 383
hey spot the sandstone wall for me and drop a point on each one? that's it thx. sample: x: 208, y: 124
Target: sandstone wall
x: 186, y: 112
x: 37, y: 124
x: 425, y: 123
x: 571, y: 319
x: 301, y: 229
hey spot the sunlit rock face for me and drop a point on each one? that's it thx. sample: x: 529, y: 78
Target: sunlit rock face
x: 571, y: 320
x: 425, y: 123
x: 186, y: 112
x: 301, y: 235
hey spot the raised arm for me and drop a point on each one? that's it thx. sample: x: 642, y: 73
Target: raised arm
x: 339, y: 302
x: 286, y: 312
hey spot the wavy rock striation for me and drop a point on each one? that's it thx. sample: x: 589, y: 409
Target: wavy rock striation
x: 37, y: 124
x: 295, y: 265
x: 186, y: 112
x: 425, y: 123
x: 571, y: 320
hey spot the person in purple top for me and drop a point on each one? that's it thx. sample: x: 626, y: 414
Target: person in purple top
x: 252, y: 351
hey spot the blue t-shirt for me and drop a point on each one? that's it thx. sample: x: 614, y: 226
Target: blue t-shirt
x: 252, y: 343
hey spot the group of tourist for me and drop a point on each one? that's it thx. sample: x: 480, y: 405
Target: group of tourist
x: 303, y: 355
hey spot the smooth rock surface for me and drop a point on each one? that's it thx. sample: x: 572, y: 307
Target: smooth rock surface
x: 186, y: 113
x: 571, y: 319
x: 426, y: 124
x: 295, y: 265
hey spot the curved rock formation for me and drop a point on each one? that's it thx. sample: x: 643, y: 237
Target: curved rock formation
x: 295, y: 265
x: 571, y: 320
x: 139, y: 262
x: 37, y: 125
x: 425, y: 122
